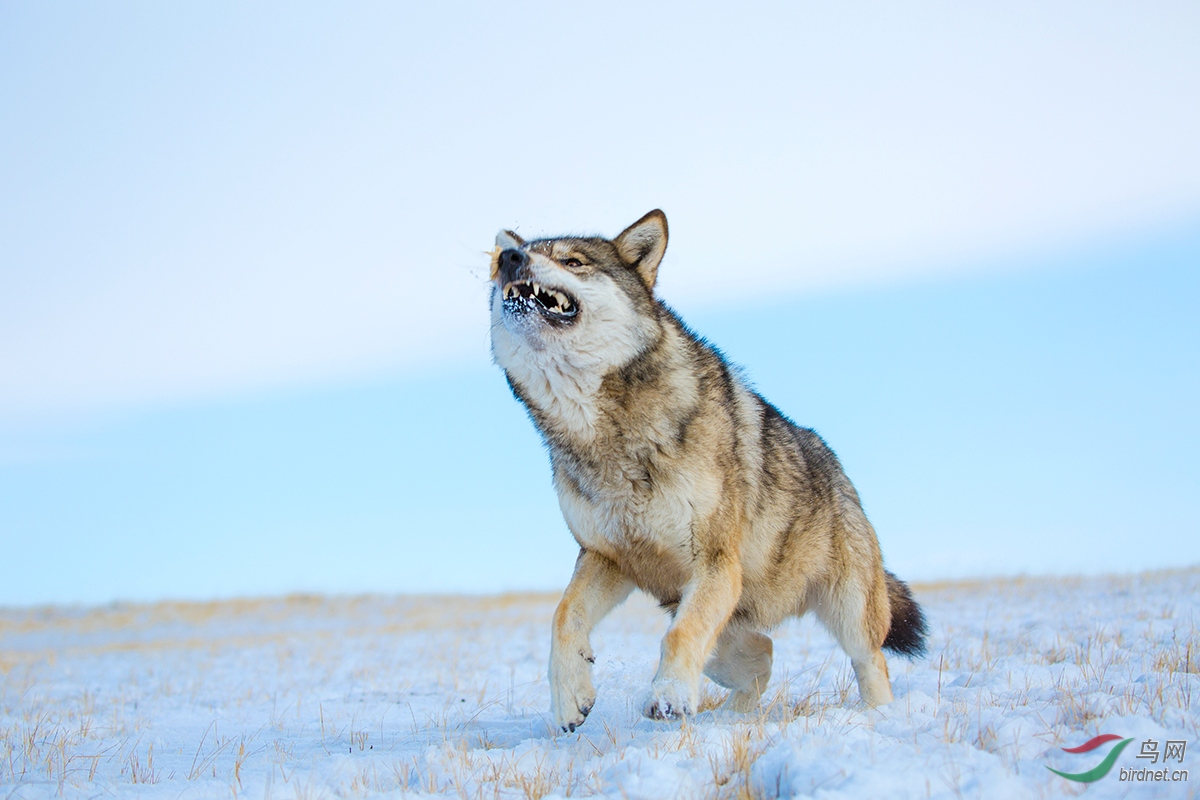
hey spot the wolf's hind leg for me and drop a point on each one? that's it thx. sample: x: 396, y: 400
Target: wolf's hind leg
x: 596, y: 587
x: 857, y: 616
x: 742, y: 664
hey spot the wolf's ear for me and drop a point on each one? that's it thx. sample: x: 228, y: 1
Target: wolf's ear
x: 643, y: 243
x: 508, y: 239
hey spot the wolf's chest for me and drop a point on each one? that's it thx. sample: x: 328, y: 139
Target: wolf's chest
x: 618, y: 518
x: 631, y: 515
x: 648, y: 538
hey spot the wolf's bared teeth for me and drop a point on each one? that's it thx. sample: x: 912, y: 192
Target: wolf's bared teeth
x: 551, y: 300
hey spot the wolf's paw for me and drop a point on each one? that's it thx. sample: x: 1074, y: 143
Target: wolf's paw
x: 571, y: 710
x: 669, y: 699
x: 571, y: 693
x: 741, y: 702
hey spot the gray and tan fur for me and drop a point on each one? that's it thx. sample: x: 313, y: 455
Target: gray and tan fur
x: 677, y: 479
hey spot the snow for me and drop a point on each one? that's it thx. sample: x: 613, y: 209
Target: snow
x: 311, y: 697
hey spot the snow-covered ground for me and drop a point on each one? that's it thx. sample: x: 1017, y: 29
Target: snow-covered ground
x: 312, y: 697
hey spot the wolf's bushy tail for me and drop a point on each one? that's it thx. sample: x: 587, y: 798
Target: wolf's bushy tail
x: 908, y: 630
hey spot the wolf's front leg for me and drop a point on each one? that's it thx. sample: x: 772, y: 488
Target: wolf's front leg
x: 707, y: 603
x: 595, y: 589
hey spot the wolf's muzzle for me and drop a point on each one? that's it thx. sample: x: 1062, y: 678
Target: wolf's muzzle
x: 512, y: 265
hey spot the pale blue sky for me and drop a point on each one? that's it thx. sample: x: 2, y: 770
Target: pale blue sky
x: 1040, y: 420
x: 242, y: 325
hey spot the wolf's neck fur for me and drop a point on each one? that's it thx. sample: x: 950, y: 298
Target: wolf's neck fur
x: 583, y: 408
x: 560, y: 395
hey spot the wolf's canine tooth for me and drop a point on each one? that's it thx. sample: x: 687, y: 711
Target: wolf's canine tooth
x: 550, y: 300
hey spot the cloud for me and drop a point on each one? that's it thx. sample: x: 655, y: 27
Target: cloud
x: 208, y: 201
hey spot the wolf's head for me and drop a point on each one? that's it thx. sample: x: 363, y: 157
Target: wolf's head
x: 575, y: 305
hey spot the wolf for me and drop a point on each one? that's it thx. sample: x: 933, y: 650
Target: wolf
x: 677, y: 478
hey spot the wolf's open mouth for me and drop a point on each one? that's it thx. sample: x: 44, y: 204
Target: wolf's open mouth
x: 552, y: 301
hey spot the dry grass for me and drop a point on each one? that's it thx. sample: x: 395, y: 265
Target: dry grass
x: 442, y: 695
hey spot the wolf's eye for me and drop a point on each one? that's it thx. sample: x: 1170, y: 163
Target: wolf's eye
x: 572, y: 263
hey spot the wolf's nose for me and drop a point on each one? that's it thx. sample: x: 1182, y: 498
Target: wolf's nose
x: 513, y: 259
x: 511, y: 264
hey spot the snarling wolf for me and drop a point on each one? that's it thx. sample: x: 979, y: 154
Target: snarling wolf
x: 678, y: 479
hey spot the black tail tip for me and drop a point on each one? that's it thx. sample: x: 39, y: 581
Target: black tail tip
x: 908, y: 630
